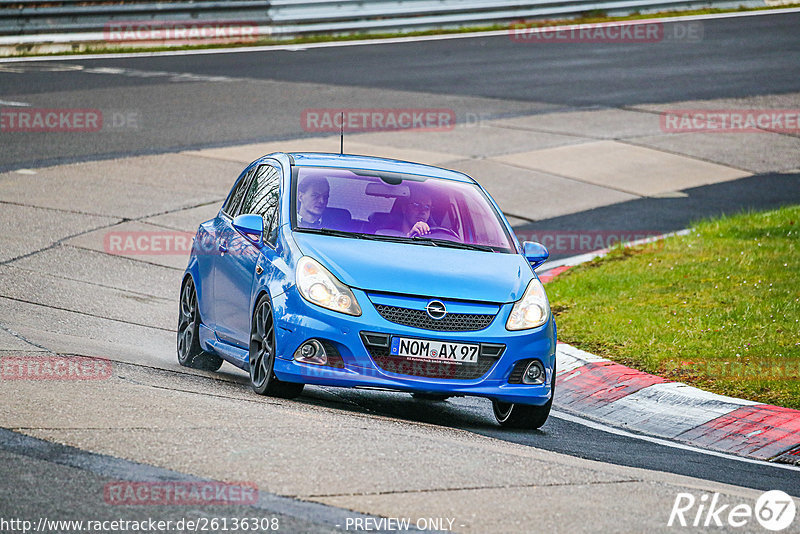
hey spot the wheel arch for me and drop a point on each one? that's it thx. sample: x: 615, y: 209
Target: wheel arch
x: 262, y: 292
x: 192, y: 273
x: 203, y: 305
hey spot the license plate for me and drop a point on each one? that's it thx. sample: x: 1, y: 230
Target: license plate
x: 443, y: 351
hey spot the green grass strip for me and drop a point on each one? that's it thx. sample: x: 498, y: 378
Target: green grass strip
x: 718, y: 308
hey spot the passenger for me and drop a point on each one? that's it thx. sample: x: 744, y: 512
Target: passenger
x: 312, y: 199
x: 416, y: 212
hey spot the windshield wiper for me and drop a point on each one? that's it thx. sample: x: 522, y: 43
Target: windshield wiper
x: 337, y: 233
x: 453, y: 244
x: 418, y: 240
x: 400, y: 239
x: 340, y: 233
x: 362, y: 235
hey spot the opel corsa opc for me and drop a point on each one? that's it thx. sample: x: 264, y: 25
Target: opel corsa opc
x: 356, y: 271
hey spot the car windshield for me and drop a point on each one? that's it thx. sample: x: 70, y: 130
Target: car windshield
x: 396, y: 207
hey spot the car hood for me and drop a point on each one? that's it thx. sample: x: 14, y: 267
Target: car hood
x: 422, y: 270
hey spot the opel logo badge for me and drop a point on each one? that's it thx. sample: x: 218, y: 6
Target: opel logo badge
x: 436, y: 309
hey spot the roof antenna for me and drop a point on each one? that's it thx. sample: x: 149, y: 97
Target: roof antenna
x: 341, y: 134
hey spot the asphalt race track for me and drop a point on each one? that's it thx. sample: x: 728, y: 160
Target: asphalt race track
x: 174, y: 118
x: 198, y: 101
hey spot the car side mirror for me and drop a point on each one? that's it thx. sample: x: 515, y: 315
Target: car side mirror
x: 251, y: 226
x: 535, y: 253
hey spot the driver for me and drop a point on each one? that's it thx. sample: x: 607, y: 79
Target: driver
x: 416, y: 212
x: 312, y: 199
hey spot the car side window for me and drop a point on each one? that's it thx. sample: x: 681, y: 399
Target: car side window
x: 262, y: 197
x: 235, y: 198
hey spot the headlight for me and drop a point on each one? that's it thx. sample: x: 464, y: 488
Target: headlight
x: 531, y: 310
x: 318, y: 285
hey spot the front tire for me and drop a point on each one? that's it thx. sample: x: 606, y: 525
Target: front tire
x: 521, y: 415
x: 524, y: 416
x: 190, y: 354
x: 262, y: 355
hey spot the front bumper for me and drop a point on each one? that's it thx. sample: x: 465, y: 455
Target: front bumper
x: 298, y: 320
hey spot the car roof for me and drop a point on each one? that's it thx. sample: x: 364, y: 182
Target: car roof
x: 349, y: 161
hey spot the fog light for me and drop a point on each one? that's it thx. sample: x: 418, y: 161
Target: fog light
x: 312, y: 352
x: 534, y: 374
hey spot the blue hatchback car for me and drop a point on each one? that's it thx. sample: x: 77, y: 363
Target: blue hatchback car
x: 357, y: 271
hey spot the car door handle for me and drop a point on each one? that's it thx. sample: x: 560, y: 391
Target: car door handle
x: 223, y: 247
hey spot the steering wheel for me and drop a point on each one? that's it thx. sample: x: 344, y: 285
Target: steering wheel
x: 444, y: 230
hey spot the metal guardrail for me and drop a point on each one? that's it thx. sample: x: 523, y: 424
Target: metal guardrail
x: 81, y: 20
x: 36, y: 17
x: 294, y: 17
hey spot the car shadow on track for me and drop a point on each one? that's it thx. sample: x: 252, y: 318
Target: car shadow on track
x: 465, y: 413
x: 558, y: 434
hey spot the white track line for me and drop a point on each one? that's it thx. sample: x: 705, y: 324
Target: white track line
x: 667, y: 443
x: 393, y: 40
x: 15, y: 104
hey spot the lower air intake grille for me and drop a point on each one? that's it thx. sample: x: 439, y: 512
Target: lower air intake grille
x: 378, y: 347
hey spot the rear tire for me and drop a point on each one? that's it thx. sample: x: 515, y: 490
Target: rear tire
x: 262, y: 355
x: 190, y: 354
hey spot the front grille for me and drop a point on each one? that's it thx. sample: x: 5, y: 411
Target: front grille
x: 378, y: 347
x: 452, y: 322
